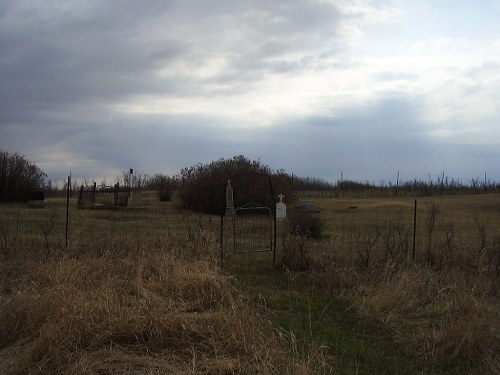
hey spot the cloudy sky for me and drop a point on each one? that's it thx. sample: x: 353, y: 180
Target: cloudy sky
x: 316, y: 87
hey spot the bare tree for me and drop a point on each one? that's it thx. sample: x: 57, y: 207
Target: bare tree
x: 18, y: 177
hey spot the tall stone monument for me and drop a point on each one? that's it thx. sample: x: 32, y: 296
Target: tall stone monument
x: 229, y: 199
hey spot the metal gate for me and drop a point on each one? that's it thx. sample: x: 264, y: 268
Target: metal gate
x: 253, y: 230
x: 249, y: 227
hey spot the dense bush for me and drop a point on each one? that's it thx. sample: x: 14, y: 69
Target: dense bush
x: 304, y: 223
x: 204, y: 185
x: 164, y: 185
x: 18, y: 177
x: 295, y: 253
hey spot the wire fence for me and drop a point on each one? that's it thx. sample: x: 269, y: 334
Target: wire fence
x: 99, y: 231
x: 464, y: 230
x: 369, y: 230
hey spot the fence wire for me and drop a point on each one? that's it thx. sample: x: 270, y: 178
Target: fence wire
x: 369, y: 230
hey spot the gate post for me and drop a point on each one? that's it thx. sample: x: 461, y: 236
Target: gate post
x: 221, y: 239
x: 274, y: 244
x: 93, y: 192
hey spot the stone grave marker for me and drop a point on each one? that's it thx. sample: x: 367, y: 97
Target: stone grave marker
x: 281, y: 208
x: 229, y: 199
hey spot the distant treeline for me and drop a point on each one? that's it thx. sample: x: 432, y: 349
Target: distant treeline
x: 440, y: 186
x: 201, y: 187
x: 311, y: 184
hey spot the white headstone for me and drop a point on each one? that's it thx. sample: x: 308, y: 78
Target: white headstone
x: 281, y: 208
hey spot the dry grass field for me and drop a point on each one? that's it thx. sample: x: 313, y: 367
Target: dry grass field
x: 136, y: 291
x: 142, y: 291
x: 443, y: 303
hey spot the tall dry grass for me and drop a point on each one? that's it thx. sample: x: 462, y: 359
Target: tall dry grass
x: 135, y: 292
x: 442, y: 315
x: 445, y: 304
x: 141, y: 292
x: 141, y: 315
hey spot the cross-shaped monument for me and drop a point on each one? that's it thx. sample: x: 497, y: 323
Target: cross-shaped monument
x: 281, y: 208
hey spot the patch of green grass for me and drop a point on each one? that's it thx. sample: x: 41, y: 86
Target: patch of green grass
x: 323, y: 327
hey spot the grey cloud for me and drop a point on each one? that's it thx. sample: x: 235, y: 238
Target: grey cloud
x: 316, y: 146
x: 262, y: 34
x: 103, y: 51
x: 64, y: 64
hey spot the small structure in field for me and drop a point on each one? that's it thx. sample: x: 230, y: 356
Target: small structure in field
x: 103, y: 197
x: 37, y: 199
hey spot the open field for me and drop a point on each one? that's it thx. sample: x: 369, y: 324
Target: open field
x: 141, y: 290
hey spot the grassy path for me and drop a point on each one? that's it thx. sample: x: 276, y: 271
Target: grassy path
x: 326, y: 333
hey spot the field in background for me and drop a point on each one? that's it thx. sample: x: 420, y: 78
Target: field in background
x: 141, y: 290
x: 441, y: 301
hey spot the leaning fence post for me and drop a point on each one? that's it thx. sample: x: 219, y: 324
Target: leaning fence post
x: 414, y: 228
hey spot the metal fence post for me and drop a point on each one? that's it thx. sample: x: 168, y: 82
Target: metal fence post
x: 414, y: 228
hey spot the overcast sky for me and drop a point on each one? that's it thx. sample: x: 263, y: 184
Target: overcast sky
x: 316, y: 87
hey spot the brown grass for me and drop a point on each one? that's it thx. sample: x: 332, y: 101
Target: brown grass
x: 438, y: 313
x: 141, y: 291
x: 136, y: 291
x: 445, y: 304
x: 141, y: 315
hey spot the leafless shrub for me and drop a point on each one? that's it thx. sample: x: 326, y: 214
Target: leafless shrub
x: 396, y: 239
x: 487, y: 250
x: 365, y: 244
x: 203, y: 184
x: 164, y: 185
x: 18, y: 177
x: 304, y: 223
x: 46, y: 226
x: 295, y: 253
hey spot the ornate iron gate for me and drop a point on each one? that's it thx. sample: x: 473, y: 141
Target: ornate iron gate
x: 249, y: 227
